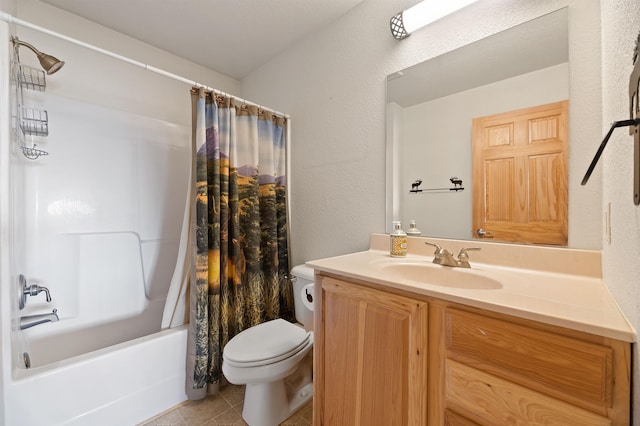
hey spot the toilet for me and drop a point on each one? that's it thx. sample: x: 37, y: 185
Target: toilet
x: 273, y: 360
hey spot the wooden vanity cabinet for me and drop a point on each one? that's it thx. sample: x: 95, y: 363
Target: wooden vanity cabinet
x: 370, y: 356
x: 495, y: 369
x: 384, y: 357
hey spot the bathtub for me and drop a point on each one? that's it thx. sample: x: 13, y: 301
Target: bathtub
x: 105, y: 361
x: 123, y: 384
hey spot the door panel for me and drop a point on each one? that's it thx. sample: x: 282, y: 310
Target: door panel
x: 500, y: 189
x: 520, y: 174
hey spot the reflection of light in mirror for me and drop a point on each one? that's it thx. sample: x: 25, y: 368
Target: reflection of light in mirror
x: 427, y: 12
x: 66, y: 207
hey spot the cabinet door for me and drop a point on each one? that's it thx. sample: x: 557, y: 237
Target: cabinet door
x: 371, y: 369
x: 500, y: 372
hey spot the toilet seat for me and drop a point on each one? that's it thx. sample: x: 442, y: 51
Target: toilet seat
x: 266, y: 343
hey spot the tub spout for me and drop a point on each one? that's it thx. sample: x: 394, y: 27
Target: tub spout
x: 33, y: 320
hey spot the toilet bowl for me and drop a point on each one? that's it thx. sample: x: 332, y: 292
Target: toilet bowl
x: 273, y: 360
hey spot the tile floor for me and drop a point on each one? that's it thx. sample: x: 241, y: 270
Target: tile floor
x: 225, y: 408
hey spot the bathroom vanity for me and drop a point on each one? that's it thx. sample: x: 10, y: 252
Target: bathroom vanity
x: 407, y: 342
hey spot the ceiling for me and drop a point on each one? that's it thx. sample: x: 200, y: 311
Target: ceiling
x: 233, y: 37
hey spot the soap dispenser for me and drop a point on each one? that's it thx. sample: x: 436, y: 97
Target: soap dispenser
x: 398, y: 241
x: 413, y: 229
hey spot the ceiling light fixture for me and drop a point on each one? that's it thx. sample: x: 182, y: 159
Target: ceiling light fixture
x: 423, y: 13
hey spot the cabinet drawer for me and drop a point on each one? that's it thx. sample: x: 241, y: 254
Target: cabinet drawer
x: 563, y: 367
x: 489, y: 400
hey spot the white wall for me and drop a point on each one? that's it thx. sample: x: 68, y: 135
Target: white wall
x: 395, y: 134
x: 437, y: 145
x: 333, y: 85
x: 621, y: 257
x: 8, y: 6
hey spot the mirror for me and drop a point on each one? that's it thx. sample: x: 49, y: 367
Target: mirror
x: 430, y: 107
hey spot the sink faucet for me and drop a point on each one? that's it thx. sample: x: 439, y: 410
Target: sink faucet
x: 444, y: 257
x: 33, y: 320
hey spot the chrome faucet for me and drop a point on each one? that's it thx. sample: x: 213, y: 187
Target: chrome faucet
x: 444, y: 257
x: 33, y: 320
x: 30, y: 290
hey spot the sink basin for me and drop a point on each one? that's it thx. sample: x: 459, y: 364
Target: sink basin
x: 444, y: 276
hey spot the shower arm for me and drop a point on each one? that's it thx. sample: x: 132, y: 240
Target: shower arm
x: 27, y: 45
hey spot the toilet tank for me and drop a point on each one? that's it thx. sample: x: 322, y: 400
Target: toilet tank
x: 302, y: 295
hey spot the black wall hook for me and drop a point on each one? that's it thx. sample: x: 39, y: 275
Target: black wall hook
x: 614, y: 125
x: 633, y: 122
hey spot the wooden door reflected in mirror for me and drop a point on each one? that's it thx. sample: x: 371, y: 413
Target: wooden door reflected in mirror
x: 520, y: 175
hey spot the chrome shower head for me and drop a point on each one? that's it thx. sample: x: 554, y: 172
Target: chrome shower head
x: 49, y: 63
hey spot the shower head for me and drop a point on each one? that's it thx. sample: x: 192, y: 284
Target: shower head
x: 49, y: 63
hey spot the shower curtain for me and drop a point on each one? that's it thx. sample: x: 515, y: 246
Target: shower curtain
x: 240, y: 259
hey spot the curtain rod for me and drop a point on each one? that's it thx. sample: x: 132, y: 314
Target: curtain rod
x: 11, y: 19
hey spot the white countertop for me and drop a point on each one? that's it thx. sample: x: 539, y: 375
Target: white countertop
x: 575, y: 301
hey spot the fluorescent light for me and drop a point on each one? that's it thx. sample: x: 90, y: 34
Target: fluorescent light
x: 423, y: 13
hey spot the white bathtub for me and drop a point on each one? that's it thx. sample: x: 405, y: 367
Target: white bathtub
x: 123, y: 384
x: 105, y: 362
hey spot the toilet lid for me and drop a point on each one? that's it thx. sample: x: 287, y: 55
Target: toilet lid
x: 269, y: 341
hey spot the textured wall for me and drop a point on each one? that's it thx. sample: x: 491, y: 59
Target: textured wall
x: 621, y: 257
x: 333, y: 85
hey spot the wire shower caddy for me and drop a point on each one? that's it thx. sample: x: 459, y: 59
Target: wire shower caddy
x: 29, y: 120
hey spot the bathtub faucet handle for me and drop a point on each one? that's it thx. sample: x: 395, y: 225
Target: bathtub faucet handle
x: 35, y: 289
x: 31, y: 290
